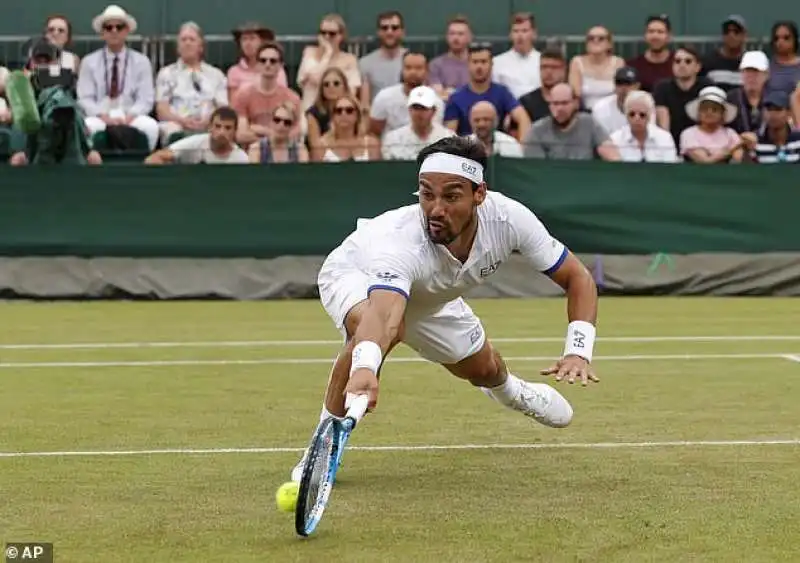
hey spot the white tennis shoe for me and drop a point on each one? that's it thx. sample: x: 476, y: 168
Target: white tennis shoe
x: 542, y: 403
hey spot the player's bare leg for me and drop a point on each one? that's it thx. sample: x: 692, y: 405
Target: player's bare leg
x: 334, y: 402
x: 487, y: 370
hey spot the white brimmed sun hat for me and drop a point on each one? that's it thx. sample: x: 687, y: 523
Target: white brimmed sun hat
x: 711, y: 94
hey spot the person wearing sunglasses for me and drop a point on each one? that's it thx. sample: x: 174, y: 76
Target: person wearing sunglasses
x: 673, y: 94
x: 722, y: 66
x: 188, y: 90
x: 58, y: 31
x: 346, y: 139
x: 256, y: 102
x: 333, y: 86
x: 279, y: 146
x: 784, y: 71
x: 115, y: 83
x: 640, y: 139
x: 592, y: 75
x: 327, y: 53
x: 382, y: 67
x: 248, y: 38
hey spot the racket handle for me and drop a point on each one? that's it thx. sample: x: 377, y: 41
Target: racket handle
x: 356, y: 406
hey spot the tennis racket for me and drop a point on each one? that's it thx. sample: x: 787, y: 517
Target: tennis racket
x: 322, y: 462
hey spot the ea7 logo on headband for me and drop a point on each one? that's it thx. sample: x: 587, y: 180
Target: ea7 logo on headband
x: 468, y: 169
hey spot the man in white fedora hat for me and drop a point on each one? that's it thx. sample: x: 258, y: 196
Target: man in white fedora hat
x: 115, y: 85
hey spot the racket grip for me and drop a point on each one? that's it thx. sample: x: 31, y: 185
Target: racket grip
x: 356, y: 406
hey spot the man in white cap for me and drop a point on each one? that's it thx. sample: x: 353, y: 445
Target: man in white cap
x: 400, y: 277
x: 749, y: 97
x: 390, y: 107
x: 405, y: 142
x: 115, y: 85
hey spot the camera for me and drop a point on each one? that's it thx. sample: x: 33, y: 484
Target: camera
x: 46, y: 70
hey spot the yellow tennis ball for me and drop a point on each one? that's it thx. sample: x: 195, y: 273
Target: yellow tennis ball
x: 286, y: 497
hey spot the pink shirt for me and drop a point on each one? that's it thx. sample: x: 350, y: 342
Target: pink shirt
x: 240, y: 75
x: 721, y: 139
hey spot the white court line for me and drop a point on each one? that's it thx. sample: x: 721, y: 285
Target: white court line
x: 793, y: 357
x: 421, y: 448
x: 290, y: 361
x: 265, y: 343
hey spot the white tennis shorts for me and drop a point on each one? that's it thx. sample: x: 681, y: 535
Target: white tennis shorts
x: 446, y: 336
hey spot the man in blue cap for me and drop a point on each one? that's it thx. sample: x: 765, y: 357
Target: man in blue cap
x: 776, y: 141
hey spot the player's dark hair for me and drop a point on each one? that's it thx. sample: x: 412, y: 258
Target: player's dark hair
x: 464, y: 147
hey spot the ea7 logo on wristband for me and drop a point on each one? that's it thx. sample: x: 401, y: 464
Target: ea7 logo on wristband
x: 578, y: 339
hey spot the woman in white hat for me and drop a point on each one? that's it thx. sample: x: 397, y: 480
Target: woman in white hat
x: 711, y: 141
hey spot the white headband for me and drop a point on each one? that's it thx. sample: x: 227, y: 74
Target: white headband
x: 452, y: 164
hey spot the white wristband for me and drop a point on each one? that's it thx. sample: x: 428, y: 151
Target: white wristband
x: 367, y: 355
x: 580, y: 340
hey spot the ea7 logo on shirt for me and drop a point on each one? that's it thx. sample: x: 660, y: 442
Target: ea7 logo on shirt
x: 490, y: 269
x: 388, y: 277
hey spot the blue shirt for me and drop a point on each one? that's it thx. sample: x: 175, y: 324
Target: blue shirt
x: 462, y: 100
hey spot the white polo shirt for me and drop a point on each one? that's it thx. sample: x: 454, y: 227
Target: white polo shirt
x: 391, y: 106
x: 659, y: 146
x: 394, y: 250
x: 606, y: 112
x: 519, y: 73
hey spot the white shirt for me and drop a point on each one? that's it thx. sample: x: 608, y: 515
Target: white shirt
x: 391, y: 106
x: 519, y: 73
x: 196, y: 149
x: 504, y: 144
x: 405, y: 144
x: 394, y: 250
x: 659, y: 146
x: 607, y: 113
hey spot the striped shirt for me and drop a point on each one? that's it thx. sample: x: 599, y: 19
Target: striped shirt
x: 767, y: 152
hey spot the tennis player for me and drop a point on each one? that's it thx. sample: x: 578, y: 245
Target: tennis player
x: 400, y: 277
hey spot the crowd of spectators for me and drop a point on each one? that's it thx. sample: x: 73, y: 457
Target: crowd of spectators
x: 667, y: 104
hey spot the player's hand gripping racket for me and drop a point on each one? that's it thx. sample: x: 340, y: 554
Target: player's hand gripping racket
x: 322, y: 462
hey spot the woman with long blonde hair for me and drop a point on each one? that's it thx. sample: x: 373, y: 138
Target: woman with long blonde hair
x: 592, y: 75
x: 328, y: 52
x: 332, y: 86
x: 346, y: 139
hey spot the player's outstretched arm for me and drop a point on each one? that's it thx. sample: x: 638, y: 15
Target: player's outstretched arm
x: 380, y: 328
x: 581, y: 291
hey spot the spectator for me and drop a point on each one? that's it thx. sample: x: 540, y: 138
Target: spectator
x: 481, y: 88
x: 248, y: 38
x: 332, y: 86
x: 58, y: 31
x: 390, y: 106
x: 345, y: 141
x: 749, y: 97
x: 784, y: 72
x: 518, y: 68
x: 709, y: 141
x: 189, y: 90
x: 776, y: 141
x: 450, y: 71
x: 483, y: 119
x: 3, y: 77
x: 722, y: 66
x: 609, y: 112
x: 115, y: 84
x: 381, y: 68
x: 278, y: 146
x: 655, y: 64
x: 255, y: 102
x: 673, y: 94
x: 215, y: 147
x: 592, y: 75
x: 553, y: 71
x: 640, y: 139
x: 405, y: 142
x: 568, y: 134
x: 328, y: 52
